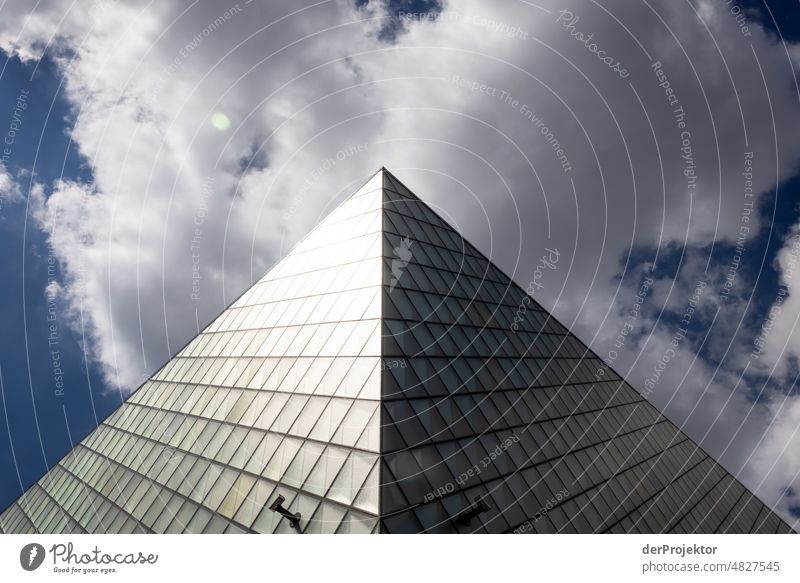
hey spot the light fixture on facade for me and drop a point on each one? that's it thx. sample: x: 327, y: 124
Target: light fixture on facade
x: 294, y: 519
x: 478, y: 507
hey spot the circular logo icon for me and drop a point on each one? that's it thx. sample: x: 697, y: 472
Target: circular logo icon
x: 31, y: 556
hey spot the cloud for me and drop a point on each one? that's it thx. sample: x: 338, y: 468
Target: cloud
x: 53, y: 290
x: 167, y: 182
x: 508, y: 122
x: 778, y: 339
x: 9, y: 188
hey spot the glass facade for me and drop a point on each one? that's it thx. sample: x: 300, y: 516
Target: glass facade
x: 379, y: 378
x: 480, y: 403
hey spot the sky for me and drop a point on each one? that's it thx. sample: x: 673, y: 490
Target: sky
x: 653, y: 144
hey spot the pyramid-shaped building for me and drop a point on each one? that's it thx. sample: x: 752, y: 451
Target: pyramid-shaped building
x: 383, y: 377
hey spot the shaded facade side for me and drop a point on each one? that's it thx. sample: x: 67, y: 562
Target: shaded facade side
x: 495, y: 418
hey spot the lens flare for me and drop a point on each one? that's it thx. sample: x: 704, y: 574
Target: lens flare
x: 220, y: 121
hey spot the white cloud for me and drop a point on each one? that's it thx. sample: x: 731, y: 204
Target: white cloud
x: 301, y: 88
x: 9, y: 188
